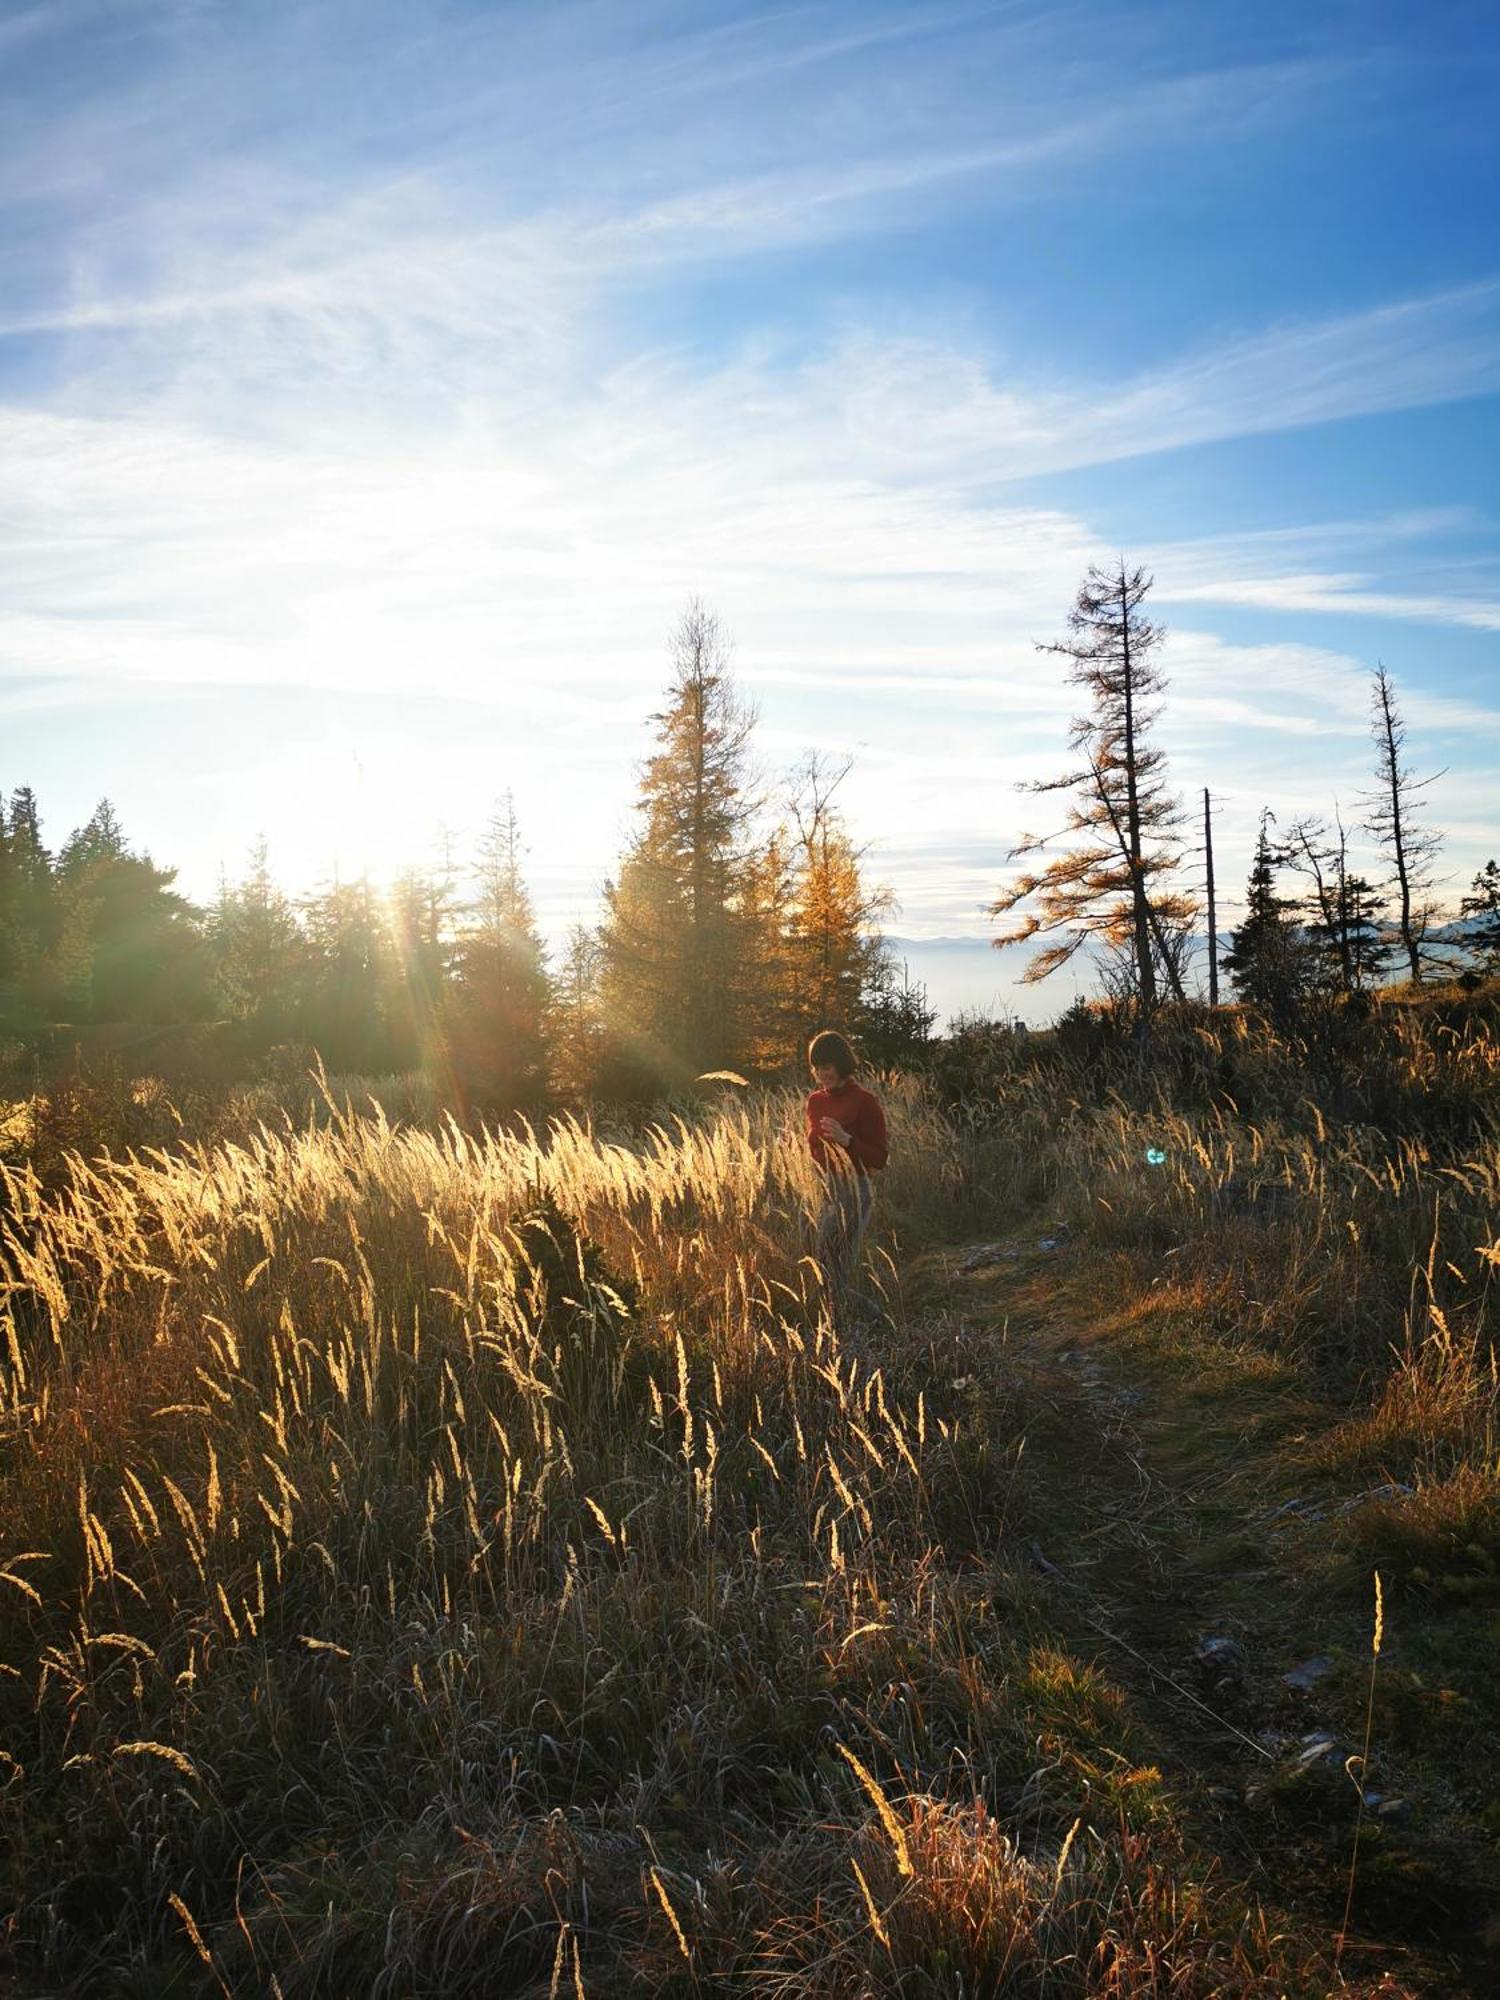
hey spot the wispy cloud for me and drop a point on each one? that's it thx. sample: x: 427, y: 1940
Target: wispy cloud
x: 427, y: 395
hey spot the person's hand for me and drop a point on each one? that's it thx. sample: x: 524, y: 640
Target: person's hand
x: 832, y: 1129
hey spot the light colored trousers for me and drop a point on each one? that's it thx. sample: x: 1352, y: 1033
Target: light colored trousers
x: 847, y: 1204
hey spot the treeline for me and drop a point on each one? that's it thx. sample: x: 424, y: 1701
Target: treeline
x: 1315, y: 926
x: 739, y: 919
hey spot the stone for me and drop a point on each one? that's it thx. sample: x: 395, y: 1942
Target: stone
x: 1305, y: 1678
x: 1318, y: 1748
x: 1221, y: 1662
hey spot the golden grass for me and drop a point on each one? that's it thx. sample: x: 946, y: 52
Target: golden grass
x: 453, y: 1562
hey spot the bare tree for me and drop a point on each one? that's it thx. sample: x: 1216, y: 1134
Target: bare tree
x: 1105, y: 888
x: 1392, y: 820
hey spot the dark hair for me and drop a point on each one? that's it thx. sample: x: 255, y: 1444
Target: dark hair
x: 832, y: 1048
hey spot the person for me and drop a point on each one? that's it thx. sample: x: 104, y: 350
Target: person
x: 846, y: 1136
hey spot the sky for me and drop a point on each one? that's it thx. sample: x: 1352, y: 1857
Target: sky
x: 379, y: 381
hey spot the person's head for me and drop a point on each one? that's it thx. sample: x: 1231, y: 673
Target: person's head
x: 830, y: 1059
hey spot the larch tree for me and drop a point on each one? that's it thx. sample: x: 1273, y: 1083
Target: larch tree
x: 771, y: 1024
x: 1112, y: 885
x: 1211, y: 899
x: 1394, y: 822
x: 834, y: 945
x: 674, y: 934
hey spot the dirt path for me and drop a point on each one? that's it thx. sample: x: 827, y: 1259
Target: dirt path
x: 1178, y: 1540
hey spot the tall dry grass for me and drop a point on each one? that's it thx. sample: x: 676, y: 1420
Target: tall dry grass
x: 1333, y: 1198
x: 438, y: 1563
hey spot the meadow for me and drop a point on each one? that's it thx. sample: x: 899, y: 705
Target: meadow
x: 444, y: 1561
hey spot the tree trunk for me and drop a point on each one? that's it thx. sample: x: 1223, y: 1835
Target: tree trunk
x: 1213, y: 920
x: 1398, y: 840
x: 1145, y: 971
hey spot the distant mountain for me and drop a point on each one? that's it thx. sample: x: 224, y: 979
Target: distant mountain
x: 968, y: 975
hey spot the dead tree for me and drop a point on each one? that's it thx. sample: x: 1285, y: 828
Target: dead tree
x: 1392, y: 821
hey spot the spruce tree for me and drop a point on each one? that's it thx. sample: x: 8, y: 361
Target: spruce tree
x: 1480, y: 918
x: 417, y: 971
x: 348, y: 953
x: 503, y: 992
x: 35, y: 922
x: 578, y: 1036
x: 259, y: 950
x: 130, y: 948
x: 674, y: 935
x: 1345, y: 921
x: 1112, y: 885
x: 1269, y: 959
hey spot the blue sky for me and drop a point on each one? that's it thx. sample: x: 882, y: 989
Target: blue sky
x: 377, y: 381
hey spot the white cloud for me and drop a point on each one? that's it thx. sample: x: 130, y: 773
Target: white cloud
x: 384, y: 421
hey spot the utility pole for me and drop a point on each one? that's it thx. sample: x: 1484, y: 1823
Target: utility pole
x: 1213, y: 924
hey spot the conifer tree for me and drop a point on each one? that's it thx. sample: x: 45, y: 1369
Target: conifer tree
x: 1345, y: 920
x: 896, y: 1016
x: 835, y: 950
x: 578, y: 1036
x: 260, y: 952
x: 674, y: 935
x: 771, y: 1025
x: 417, y: 972
x: 349, y: 950
x: 129, y: 947
x: 30, y: 987
x: 503, y: 993
x: 1480, y: 916
x: 1269, y: 959
x: 1111, y: 886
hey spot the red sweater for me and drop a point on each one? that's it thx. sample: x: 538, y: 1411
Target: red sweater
x: 859, y: 1112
